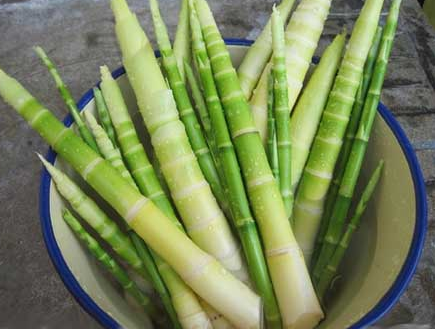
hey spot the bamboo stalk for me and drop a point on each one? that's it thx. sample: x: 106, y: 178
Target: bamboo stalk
x: 187, y: 307
x: 347, y: 145
x: 359, y: 146
x: 67, y: 98
x: 129, y: 247
x: 200, y: 271
x: 184, y: 106
x: 200, y: 105
x: 331, y: 267
x: 271, y: 149
x: 326, y: 147
x: 259, y: 53
x: 107, y: 149
x: 308, y: 111
x: 104, y: 115
x: 111, y: 265
x: 261, y: 116
x: 295, y: 295
x: 302, y: 36
x: 242, y: 217
x: 201, y: 215
x: 282, y: 112
x: 182, y: 51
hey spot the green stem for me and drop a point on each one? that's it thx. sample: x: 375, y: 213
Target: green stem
x: 334, y: 262
x: 200, y: 104
x: 308, y: 111
x: 214, y: 284
x: 241, y: 214
x: 271, y: 149
x: 131, y: 248
x: 132, y: 149
x: 359, y: 146
x: 182, y: 39
x: 295, y: 296
x: 192, y: 195
x: 347, y: 145
x: 96, y: 218
x: 110, y: 265
x: 259, y: 53
x: 185, y: 107
x: 149, y: 185
x: 157, y: 273
x: 282, y: 112
x: 326, y: 147
x: 67, y: 98
x: 107, y: 148
x: 103, y: 114
x: 302, y: 36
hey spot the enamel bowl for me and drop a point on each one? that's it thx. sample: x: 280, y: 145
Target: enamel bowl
x: 376, y: 270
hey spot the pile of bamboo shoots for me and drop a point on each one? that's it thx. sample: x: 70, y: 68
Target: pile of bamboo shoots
x: 242, y: 218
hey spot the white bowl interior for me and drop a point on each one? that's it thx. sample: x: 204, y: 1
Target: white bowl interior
x: 376, y: 255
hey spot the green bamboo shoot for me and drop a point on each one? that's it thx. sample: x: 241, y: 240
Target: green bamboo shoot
x: 347, y: 145
x: 308, y: 110
x: 201, y: 215
x: 113, y: 155
x: 200, y: 105
x: 296, y: 297
x: 359, y: 146
x: 184, y: 106
x: 241, y: 214
x: 302, y: 35
x: 67, y: 98
x: 107, y: 149
x: 182, y: 39
x: 331, y: 267
x: 259, y: 53
x: 204, y: 274
x: 261, y: 116
x: 328, y: 141
x: 186, y: 305
x: 281, y: 111
x: 104, y: 115
x: 111, y: 265
x: 271, y: 147
x: 96, y: 218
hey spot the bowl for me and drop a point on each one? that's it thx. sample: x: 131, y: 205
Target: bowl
x: 376, y: 270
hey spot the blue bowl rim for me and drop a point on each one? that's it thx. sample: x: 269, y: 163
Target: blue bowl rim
x: 380, y: 309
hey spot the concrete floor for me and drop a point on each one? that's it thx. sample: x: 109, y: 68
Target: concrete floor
x: 79, y: 36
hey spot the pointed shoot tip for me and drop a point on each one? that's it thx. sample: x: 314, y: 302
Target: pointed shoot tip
x: 46, y: 164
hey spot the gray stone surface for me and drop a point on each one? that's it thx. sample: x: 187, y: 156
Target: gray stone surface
x: 79, y: 36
